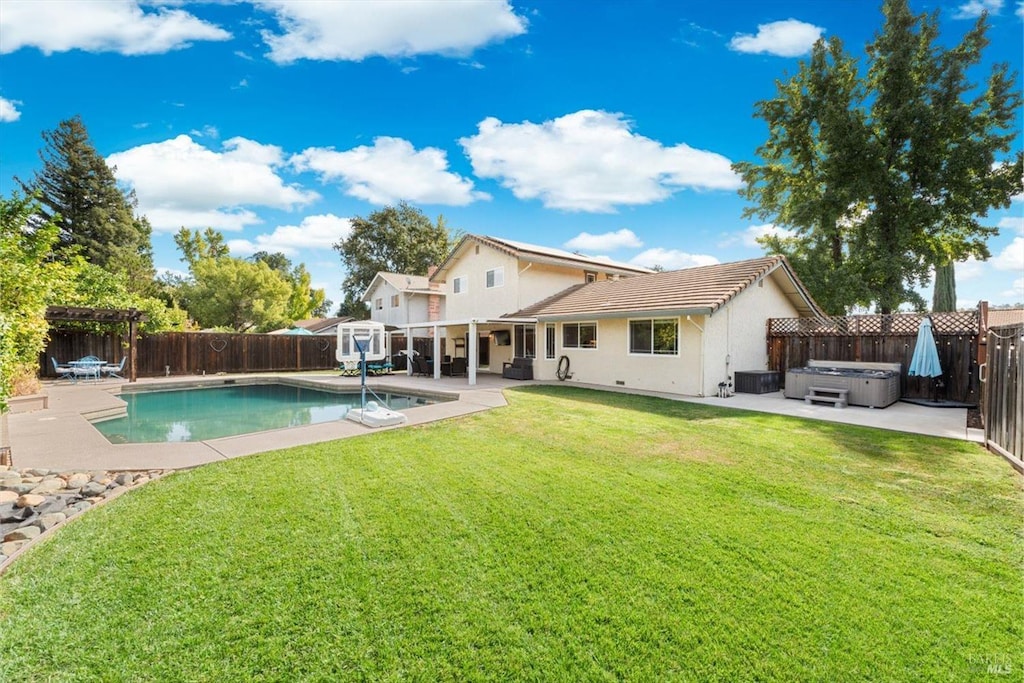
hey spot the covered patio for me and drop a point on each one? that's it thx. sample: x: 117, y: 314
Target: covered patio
x: 496, y: 340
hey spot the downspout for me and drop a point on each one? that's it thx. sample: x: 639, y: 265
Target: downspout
x: 700, y: 389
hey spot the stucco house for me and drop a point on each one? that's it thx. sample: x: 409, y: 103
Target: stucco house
x: 398, y: 299
x: 680, y: 332
x: 483, y: 279
x: 612, y: 324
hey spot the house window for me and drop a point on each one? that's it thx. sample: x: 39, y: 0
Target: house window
x: 495, y: 278
x: 589, y: 277
x: 378, y: 303
x: 526, y: 341
x: 394, y: 301
x: 549, y: 342
x: 657, y: 337
x: 459, y: 285
x: 579, y: 335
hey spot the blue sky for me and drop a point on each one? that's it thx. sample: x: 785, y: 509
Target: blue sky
x: 604, y: 127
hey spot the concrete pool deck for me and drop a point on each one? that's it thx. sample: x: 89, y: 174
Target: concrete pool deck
x: 61, y: 437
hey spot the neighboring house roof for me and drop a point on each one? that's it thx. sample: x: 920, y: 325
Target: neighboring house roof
x: 316, y: 325
x: 1005, y: 316
x: 532, y: 253
x: 701, y: 291
x: 410, y: 284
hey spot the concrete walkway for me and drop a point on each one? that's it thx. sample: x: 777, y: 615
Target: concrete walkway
x: 61, y: 437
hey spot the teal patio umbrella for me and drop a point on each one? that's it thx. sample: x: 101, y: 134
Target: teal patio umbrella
x: 299, y: 331
x: 925, y: 361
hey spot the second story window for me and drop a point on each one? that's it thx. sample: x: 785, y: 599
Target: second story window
x: 378, y: 303
x: 589, y: 277
x: 495, y: 278
x: 459, y: 285
x: 394, y: 301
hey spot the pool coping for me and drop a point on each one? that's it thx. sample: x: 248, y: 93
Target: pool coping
x: 61, y: 437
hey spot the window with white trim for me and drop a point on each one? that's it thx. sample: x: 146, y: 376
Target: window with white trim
x: 460, y: 284
x: 378, y: 303
x: 579, y: 335
x: 549, y: 341
x: 589, y: 277
x: 659, y: 337
x: 495, y: 277
x: 526, y: 341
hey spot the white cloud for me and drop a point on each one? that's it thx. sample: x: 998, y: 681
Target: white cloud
x: 391, y: 170
x: 1012, y: 223
x: 207, y: 131
x: 590, y: 161
x: 1011, y: 257
x: 1020, y: 10
x: 971, y: 269
x: 9, y: 110
x: 609, y: 241
x: 357, y: 29
x: 671, y: 259
x: 182, y: 183
x: 315, y: 232
x: 161, y: 272
x: 972, y: 9
x: 788, y: 38
x: 100, y: 26
x: 1016, y: 292
x: 750, y: 236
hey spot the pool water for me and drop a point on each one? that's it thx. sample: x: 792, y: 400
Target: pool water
x: 211, y: 413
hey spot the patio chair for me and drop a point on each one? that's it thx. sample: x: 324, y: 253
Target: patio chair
x: 420, y: 366
x: 519, y: 368
x: 86, y: 367
x: 111, y: 370
x: 63, y: 371
x: 458, y: 367
x: 350, y: 368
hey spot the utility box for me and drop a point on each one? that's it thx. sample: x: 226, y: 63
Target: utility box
x: 757, y: 382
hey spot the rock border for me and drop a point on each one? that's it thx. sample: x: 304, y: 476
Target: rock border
x: 35, y: 502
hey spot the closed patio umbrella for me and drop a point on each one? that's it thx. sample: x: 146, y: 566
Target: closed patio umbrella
x: 925, y: 362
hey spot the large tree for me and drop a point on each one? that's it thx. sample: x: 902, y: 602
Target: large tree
x: 304, y: 301
x: 398, y: 239
x: 77, y: 190
x: 885, y: 174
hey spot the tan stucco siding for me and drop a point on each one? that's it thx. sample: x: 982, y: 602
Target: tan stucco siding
x: 538, y: 281
x: 479, y: 301
x: 735, y: 334
x: 611, y: 362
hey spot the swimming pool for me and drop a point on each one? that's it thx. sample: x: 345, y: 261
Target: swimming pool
x: 198, y: 414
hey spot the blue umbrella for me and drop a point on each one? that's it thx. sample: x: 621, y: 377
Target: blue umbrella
x: 298, y: 330
x: 925, y: 362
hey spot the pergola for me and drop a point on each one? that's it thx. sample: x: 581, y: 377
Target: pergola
x: 132, y: 316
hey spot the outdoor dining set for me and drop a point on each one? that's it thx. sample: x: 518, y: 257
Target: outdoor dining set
x: 88, y: 367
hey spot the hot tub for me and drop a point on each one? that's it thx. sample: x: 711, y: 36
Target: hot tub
x: 874, y: 385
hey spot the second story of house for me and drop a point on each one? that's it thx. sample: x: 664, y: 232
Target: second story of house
x: 487, y: 277
x: 398, y: 299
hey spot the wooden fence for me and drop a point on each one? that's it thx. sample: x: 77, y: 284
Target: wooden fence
x: 195, y: 353
x: 883, y: 338
x: 1003, y: 392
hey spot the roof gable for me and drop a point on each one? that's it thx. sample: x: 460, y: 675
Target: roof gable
x: 533, y: 253
x: 403, y: 282
x: 701, y: 290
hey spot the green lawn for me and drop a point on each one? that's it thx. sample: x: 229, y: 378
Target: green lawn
x: 573, y: 535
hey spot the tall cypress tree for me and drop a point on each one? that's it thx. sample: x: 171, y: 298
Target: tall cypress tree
x: 78, y: 191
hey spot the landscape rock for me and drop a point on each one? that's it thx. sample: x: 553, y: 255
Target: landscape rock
x: 49, y: 486
x: 25, y: 533
x: 116, y: 491
x: 31, y: 480
x: 20, y: 489
x: 37, y: 472
x: 77, y: 480
x: 124, y: 479
x: 29, y: 500
x: 11, y: 547
x: 49, y: 520
x: 10, y: 513
x: 58, y: 504
x: 8, y: 497
x: 93, y: 488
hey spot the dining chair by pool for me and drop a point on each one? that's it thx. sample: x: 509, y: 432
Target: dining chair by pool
x: 111, y: 370
x: 63, y: 371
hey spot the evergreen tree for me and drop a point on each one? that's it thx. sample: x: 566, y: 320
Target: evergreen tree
x: 885, y: 175
x: 944, y: 295
x: 77, y: 190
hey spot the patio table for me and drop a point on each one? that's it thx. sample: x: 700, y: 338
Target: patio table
x: 85, y: 368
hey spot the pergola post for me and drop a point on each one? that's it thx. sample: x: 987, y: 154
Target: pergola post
x: 133, y: 373
x: 437, y: 352
x: 472, y: 352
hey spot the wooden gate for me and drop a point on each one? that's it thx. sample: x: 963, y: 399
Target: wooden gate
x: 1003, y: 392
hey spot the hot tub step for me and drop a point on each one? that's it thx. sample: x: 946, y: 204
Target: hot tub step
x: 839, y: 400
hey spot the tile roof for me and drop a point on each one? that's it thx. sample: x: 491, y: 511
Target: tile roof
x: 533, y: 252
x: 1005, y: 316
x: 703, y: 290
